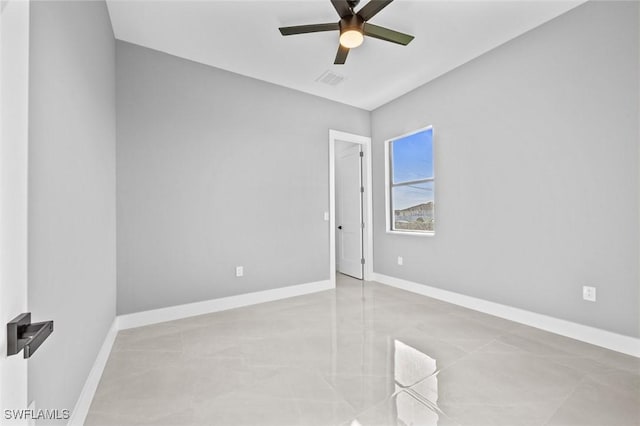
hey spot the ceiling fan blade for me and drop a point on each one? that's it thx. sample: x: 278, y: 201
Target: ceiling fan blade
x: 386, y: 34
x: 341, y: 56
x: 314, y: 28
x: 372, y: 8
x: 342, y: 7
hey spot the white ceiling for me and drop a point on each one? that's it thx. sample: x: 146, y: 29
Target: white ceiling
x: 243, y: 37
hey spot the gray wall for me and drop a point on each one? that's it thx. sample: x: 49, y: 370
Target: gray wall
x: 536, y: 148
x: 71, y: 193
x: 217, y: 170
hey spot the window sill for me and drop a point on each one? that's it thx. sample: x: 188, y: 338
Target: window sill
x: 417, y: 234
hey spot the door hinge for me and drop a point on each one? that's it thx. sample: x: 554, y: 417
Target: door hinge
x: 361, y: 154
x: 362, y: 189
x: 362, y: 261
x: 362, y: 225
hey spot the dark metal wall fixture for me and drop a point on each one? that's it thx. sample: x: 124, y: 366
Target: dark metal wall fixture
x: 21, y: 334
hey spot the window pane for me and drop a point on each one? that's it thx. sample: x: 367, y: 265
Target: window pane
x: 413, y: 207
x: 413, y: 157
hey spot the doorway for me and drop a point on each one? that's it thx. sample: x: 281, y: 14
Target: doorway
x: 348, y: 209
x: 350, y: 236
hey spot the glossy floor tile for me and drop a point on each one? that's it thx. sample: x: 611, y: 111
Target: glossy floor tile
x: 362, y: 354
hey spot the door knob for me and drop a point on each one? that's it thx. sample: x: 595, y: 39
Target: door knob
x: 23, y: 334
x: 340, y: 227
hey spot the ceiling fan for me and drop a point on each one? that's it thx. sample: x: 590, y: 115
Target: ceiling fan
x: 353, y: 27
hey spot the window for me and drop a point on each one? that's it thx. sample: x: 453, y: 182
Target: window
x: 410, y: 183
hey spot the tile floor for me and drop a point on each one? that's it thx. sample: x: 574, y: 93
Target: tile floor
x: 361, y: 355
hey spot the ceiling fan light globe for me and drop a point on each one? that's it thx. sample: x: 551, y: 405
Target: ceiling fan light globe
x: 351, y: 38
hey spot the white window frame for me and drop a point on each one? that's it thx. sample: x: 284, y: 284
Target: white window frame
x: 389, y: 185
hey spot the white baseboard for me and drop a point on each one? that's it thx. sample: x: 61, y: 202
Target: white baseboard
x: 171, y: 313
x: 80, y: 411
x: 595, y: 336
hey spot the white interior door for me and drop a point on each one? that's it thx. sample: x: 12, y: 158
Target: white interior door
x: 14, y: 112
x: 349, y: 210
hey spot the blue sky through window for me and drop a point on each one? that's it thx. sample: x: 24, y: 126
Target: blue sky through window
x: 412, y: 160
x: 413, y: 157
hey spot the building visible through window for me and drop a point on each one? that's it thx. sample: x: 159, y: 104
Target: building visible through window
x: 410, y: 180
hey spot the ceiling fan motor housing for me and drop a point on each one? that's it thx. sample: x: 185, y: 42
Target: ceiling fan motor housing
x: 353, y: 22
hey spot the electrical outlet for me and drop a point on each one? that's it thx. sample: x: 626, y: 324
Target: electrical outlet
x: 589, y: 293
x: 239, y: 271
x: 400, y: 260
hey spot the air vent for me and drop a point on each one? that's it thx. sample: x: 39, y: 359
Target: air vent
x: 330, y: 78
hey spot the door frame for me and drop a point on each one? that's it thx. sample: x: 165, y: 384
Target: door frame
x: 14, y: 154
x: 367, y: 212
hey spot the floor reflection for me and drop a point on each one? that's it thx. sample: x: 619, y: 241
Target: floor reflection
x: 414, y: 399
x: 416, y: 384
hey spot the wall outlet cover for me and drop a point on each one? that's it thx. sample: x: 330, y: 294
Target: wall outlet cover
x: 589, y: 293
